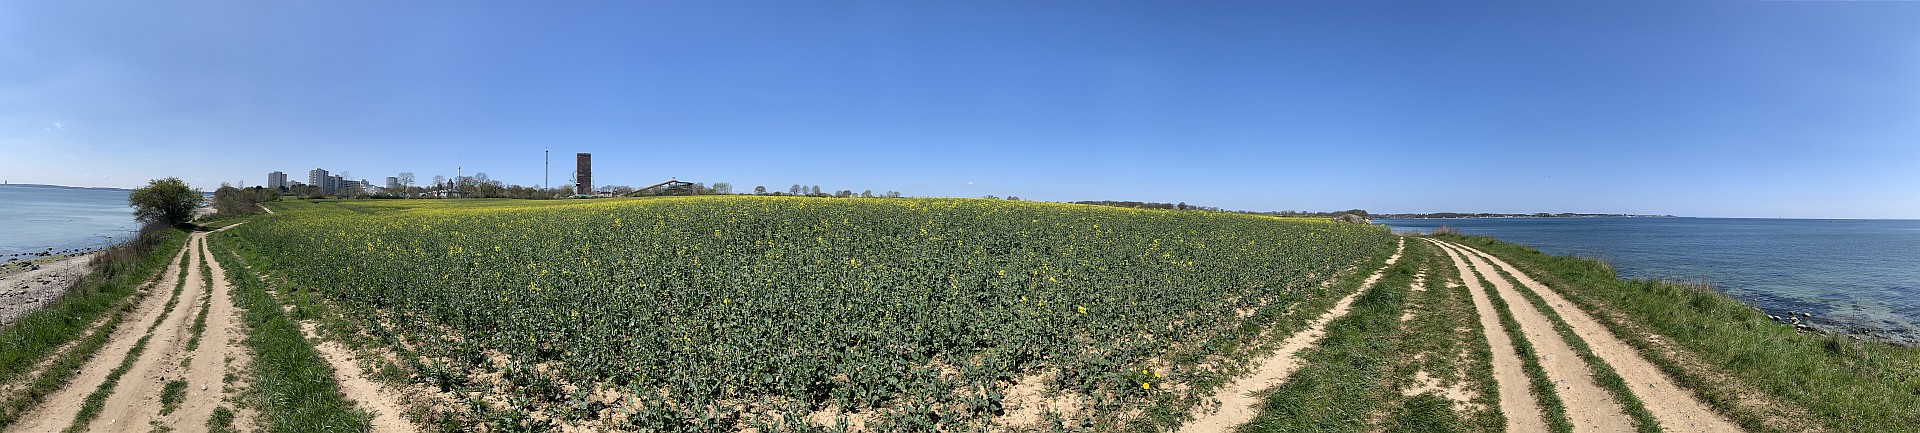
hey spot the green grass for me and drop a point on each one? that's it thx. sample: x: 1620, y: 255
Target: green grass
x: 292, y: 383
x: 1843, y: 384
x: 221, y: 421
x: 171, y: 395
x: 1339, y: 388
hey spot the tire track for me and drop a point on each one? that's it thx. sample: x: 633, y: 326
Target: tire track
x: 1517, y: 403
x: 219, y: 343
x: 1590, y: 407
x: 1676, y: 408
x: 1237, y: 402
x: 135, y: 400
x: 63, y: 406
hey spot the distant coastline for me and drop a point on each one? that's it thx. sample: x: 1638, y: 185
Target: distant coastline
x: 1445, y: 215
x: 36, y: 185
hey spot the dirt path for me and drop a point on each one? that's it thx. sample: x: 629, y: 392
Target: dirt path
x: 59, y: 409
x: 135, y: 400
x: 1676, y: 408
x: 219, y: 343
x: 1589, y: 407
x: 1237, y: 402
x: 25, y: 288
x: 1516, y: 400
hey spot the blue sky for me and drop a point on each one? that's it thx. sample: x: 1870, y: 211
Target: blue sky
x: 1753, y: 109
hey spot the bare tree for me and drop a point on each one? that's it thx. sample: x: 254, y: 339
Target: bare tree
x: 760, y: 190
x: 406, y: 182
x: 722, y: 187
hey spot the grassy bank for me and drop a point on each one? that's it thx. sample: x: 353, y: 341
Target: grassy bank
x: 104, y: 293
x: 1725, y: 350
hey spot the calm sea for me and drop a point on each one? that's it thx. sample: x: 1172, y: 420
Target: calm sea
x: 1853, y: 275
x: 34, y: 218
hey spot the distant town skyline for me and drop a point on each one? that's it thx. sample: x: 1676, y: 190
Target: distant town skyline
x: 1744, y: 109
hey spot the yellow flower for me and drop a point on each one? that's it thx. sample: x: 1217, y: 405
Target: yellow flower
x: 1083, y: 309
x: 1146, y: 385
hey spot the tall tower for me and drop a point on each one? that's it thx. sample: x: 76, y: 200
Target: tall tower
x: 583, y: 167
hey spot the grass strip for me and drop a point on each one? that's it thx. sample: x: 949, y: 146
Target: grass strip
x: 206, y: 302
x: 1603, y: 374
x: 292, y: 381
x: 1542, y: 387
x: 1339, y: 386
x: 117, y: 273
x: 1844, y: 384
x: 221, y: 421
x: 171, y: 395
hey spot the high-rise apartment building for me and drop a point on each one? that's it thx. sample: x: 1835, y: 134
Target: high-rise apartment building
x: 277, y: 181
x: 318, y: 178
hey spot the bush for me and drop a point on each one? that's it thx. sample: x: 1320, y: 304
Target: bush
x: 167, y: 201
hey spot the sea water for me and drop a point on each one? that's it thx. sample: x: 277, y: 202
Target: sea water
x: 1858, y: 276
x: 39, y: 218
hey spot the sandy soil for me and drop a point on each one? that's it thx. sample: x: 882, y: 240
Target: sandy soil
x: 1237, y: 400
x: 1516, y: 400
x: 1676, y: 408
x: 388, y: 413
x: 24, y: 289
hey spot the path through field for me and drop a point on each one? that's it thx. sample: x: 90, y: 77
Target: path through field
x: 1589, y: 407
x: 1237, y: 399
x: 133, y: 401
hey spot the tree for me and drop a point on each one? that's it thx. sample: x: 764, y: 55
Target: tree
x: 866, y: 194
x: 760, y: 190
x: 722, y: 187
x: 796, y: 189
x: 406, y: 182
x: 816, y: 190
x: 166, y: 201
x: 439, y: 181
x: 893, y: 194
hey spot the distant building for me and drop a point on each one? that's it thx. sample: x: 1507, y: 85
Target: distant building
x: 277, y: 181
x: 393, y: 183
x: 583, y: 170
x: 319, y: 179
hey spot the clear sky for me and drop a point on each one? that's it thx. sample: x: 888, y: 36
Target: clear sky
x: 1704, y: 108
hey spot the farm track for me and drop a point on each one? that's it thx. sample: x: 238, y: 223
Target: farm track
x: 133, y: 401
x: 1238, y: 404
x: 60, y: 408
x: 1589, y: 407
x: 1522, y: 410
x: 1676, y: 408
